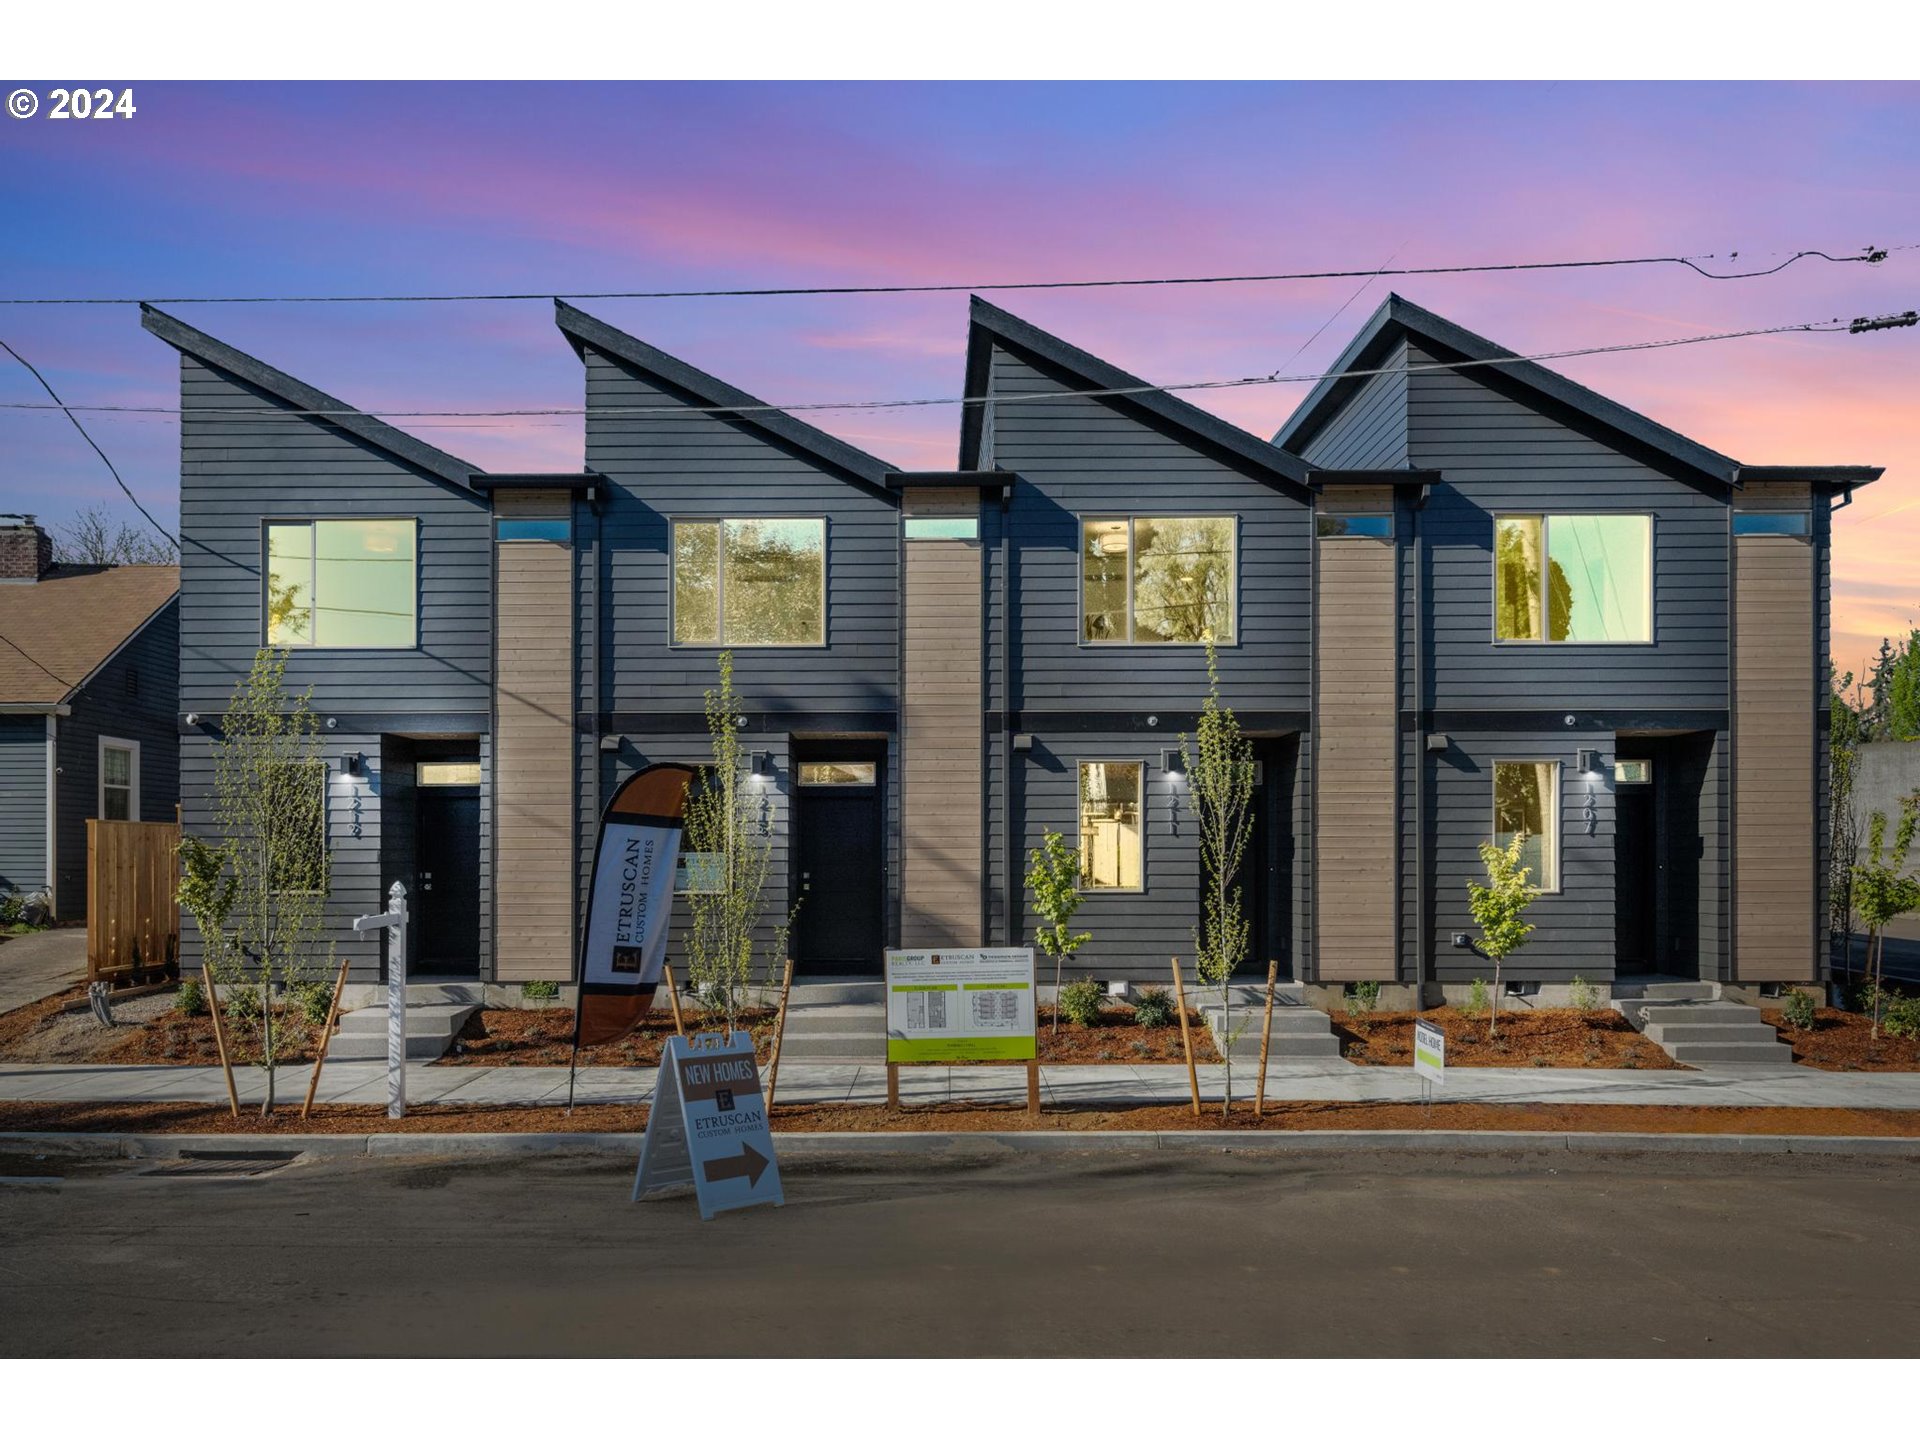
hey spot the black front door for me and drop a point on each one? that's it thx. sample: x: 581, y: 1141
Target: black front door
x: 1637, y: 853
x: 1266, y: 868
x: 839, y: 870
x: 446, y: 912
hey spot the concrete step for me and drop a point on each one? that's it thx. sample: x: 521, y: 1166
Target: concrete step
x: 421, y: 1020
x: 1299, y: 1032
x: 1708, y: 1013
x: 1731, y: 1052
x: 862, y: 1046
x: 1665, y: 991
x: 837, y: 992
x: 1684, y: 1034
x: 368, y: 1045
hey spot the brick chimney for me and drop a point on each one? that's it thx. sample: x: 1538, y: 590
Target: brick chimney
x: 26, y: 551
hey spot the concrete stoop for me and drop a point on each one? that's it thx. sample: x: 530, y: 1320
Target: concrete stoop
x: 1300, y: 1031
x: 836, y: 1022
x: 1695, y: 1026
x: 431, y: 1027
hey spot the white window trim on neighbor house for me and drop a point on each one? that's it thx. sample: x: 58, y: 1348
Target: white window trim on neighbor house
x: 132, y: 747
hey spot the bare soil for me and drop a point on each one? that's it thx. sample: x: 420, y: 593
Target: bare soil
x: 147, y: 1031
x: 545, y: 1037
x: 192, y: 1119
x: 1843, y: 1040
x: 1119, y: 1039
x: 1549, y: 1039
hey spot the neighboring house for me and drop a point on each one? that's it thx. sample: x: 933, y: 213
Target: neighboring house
x: 88, y: 699
x: 1449, y: 603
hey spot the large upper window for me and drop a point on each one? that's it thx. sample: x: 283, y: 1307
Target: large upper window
x: 1526, y: 801
x: 341, y: 584
x: 1575, y: 579
x: 1157, y: 581
x: 1110, y: 838
x: 749, y: 582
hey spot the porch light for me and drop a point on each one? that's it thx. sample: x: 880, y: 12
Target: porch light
x: 1175, y: 764
x: 762, y: 766
x: 1589, y: 762
x: 356, y: 763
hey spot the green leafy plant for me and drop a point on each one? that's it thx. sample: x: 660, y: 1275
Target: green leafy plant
x: 1883, y: 890
x: 1361, y: 997
x: 1846, y: 731
x: 1218, y: 763
x: 190, y: 998
x: 1799, y: 1009
x: 540, y: 991
x: 1499, y: 909
x: 313, y: 1000
x: 1153, y: 1007
x: 1080, y: 1002
x: 1053, y: 874
x: 12, y: 909
x: 1903, y: 1017
x: 1583, y: 995
x: 1475, y: 1005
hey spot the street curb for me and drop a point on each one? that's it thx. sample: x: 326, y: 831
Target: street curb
x: 959, y: 1143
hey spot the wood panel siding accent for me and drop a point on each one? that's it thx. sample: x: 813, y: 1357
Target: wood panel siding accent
x: 942, y: 780
x: 1355, y: 730
x: 1773, y: 759
x: 533, y: 758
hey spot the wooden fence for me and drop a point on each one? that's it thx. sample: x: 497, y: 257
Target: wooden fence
x: 133, y: 915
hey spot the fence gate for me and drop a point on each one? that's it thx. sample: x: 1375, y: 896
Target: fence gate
x: 133, y: 915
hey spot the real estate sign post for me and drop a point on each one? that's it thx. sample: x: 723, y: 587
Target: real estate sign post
x: 1429, y: 1056
x: 708, y: 1125
x: 948, y: 1005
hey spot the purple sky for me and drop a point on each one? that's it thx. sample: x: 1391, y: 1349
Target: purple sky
x: 329, y: 188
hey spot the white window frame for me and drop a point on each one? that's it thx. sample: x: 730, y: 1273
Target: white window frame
x: 311, y: 522
x: 1546, y: 518
x: 674, y: 522
x: 1556, y: 824
x: 114, y: 742
x: 1079, y: 818
x: 1080, y: 523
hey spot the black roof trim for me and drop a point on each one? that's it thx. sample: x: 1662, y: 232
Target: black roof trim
x: 1845, y: 476
x: 1399, y: 316
x: 587, y: 482
x: 582, y: 329
x: 1319, y: 478
x: 955, y: 479
x: 990, y: 322
x: 302, y: 396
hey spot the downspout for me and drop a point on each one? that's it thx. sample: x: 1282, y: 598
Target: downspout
x: 1423, y: 934
x: 53, y: 816
x: 1006, y: 707
x: 593, y: 698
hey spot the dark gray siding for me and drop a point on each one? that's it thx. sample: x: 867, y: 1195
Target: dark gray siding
x: 239, y: 470
x: 1370, y: 431
x: 133, y: 697
x: 23, y: 803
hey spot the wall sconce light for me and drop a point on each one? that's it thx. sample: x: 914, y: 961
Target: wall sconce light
x: 763, y: 765
x: 609, y: 742
x: 1436, y: 743
x: 1174, y: 764
x: 356, y: 763
x: 1023, y: 741
x: 1589, y: 762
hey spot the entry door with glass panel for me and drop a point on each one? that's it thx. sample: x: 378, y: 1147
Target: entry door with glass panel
x: 839, y: 865
x: 446, y: 939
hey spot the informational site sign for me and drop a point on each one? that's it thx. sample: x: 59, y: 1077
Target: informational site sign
x: 1429, y: 1052
x: 625, y: 943
x: 945, y: 1005
x: 708, y: 1125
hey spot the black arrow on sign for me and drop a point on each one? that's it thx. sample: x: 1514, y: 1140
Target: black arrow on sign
x: 749, y: 1162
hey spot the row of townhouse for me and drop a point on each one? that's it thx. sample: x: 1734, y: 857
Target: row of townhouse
x: 1451, y: 601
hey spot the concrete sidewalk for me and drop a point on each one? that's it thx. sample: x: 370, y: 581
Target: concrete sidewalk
x: 33, y: 967
x: 364, y: 1082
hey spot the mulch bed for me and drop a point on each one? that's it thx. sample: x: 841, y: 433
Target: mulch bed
x: 1843, y: 1040
x: 1550, y: 1039
x: 190, y: 1119
x: 545, y: 1037
x: 167, y: 1039
x: 1119, y: 1039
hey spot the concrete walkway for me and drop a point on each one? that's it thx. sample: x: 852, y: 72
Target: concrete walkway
x: 364, y: 1082
x: 33, y: 967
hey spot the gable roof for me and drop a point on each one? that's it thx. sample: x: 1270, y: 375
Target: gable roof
x: 582, y: 329
x: 1532, y: 383
x: 302, y: 396
x: 70, y: 622
x: 988, y: 323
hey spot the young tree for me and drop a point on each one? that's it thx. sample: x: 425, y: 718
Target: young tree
x: 1499, y: 909
x: 1884, y: 891
x: 727, y: 815
x: 1844, y: 735
x: 1903, y: 691
x: 1219, y: 768
x: 1053, y: 874
x: 95, y: 537
x: 258, y: 893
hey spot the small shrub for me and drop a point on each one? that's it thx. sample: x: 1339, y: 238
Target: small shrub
x: 12, y: 909
x: 540, y: 990
x: 1583, y: 995
x: 1153, y: 1008
x: 1865, y: 997
x: 1361, y: 997
x: 313, y: 1002
x: 240, y: 1004
x: 1080, y: 1001
x: 1476, y: 1003
x: 1799, y: 1009
x: 190, y: 998
x: 1902, y: 1017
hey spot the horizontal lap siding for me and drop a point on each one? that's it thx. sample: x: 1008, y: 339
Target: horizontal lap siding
x: 1498, y: 456
x: 1370, y: 430
x: 237, y: 471
x: 1773, y: 759
x: 23, y: 804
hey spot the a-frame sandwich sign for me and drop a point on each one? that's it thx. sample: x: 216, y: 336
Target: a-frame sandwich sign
x: 708, y: 1125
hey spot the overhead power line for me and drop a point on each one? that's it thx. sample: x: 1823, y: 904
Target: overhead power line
x: 1276, y: 378
x: 14, y: 645
x: 1871, y: 255
x: 160, y: 529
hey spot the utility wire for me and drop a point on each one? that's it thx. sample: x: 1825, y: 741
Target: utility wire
x: 70, y: 684
x: 159, y: 529
x: 1871, y: 255
x: 1276, y: 378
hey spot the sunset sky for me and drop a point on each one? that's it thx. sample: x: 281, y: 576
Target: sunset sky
x: 254, y: 189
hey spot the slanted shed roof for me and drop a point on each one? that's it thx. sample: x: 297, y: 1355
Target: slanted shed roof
x: 582, y: 329
x: 1532, y: 383
x: 302, y: 396
x: 70, y: 621
x: 990, y: 323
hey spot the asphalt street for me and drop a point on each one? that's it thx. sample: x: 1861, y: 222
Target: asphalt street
x: 1074, y: 1254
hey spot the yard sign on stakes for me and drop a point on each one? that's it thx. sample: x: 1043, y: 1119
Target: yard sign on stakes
x: 708, y: 1124
x: 1429, y: 1057
x: 948, y: 1005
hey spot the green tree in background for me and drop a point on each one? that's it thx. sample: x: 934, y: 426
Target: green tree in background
x: 1053, y: 874
x: 1499, y: 909
x: 1846, y: 731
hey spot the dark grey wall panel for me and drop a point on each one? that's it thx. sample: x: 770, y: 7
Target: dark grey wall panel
x: 1370, y: 431
x: 23, y: 803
